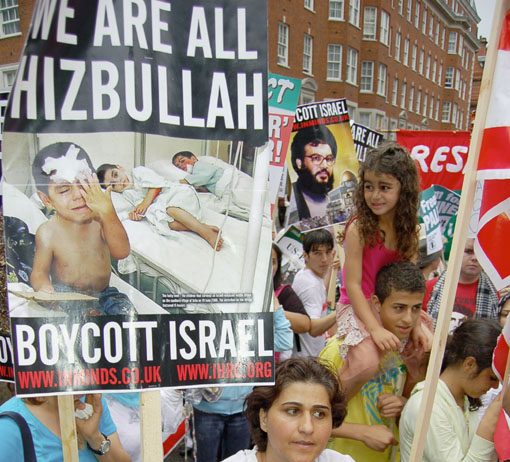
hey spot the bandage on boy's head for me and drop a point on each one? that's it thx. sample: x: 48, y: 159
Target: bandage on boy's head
x: 60, y: 161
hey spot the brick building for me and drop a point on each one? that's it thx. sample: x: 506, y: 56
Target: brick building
x: 399, y: 63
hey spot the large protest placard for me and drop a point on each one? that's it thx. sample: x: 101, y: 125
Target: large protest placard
x: 167, y: 102
x: 283, y: 99
x: 441, y: 155
x: 323, y: 165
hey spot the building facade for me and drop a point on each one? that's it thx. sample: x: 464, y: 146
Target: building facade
x: 399, y: 63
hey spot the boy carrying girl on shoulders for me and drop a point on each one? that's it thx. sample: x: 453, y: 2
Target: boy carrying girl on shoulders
x: 369, y: 430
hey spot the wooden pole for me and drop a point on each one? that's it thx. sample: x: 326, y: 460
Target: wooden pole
x: 459, y: 240
x: 151, y: 435
x: 68, y: 428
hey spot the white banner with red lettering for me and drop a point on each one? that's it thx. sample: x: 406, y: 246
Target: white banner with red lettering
x: 440, y: 155
x: 494, y: 170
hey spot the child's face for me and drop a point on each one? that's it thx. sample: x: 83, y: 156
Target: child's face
x: 319, y: 259
x: 117, y: 178
x: 400, y: 312
x: 182, y: 162
x: 67, y: 200
x: 381, y: 192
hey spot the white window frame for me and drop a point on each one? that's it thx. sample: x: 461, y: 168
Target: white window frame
x: 354, y: 10
x: 446, y: 112
x: 382, y: 77
x: 370, y: 23
x: 334, y: 62
x: 351, y: 66
x: 409, y: 9
x: 448, y: 77
x: 384, y: 32
x: 366, y: 83
x: 398, y: 41
x: 417, y: 107
x: 403, y: 94
x: 424, y: 21
x: 417, y: 15
x: 394, y: 92
x: 283, y: 44
x: 10, y: 19
x: 410, y: 105
x: 414, y: 56
x: 405, y: 58
x: 336, y: 6
x: 309, y: 5
x: 307, y: 54
x: 421, y: 61
x: 452, y: 42
x: 427, y: 67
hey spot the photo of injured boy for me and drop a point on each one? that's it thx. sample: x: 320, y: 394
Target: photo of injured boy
x: 110, y: 236
x: 73, y: 248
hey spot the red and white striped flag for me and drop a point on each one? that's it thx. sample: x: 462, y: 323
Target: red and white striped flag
x: 494, y: 170
x: 499, y: 361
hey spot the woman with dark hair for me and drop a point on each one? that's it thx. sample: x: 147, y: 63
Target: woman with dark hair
x: 292, y: 420
x: 454, y: 434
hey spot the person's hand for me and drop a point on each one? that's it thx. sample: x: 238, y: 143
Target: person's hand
x: 378, y: 437
x: 141, y: 208
x: 88, y: 429
x: 336, y: 264
x: 422, y: 338
x: 384, y: 339
x: 48, y: 288
x: 97, y: 200
x: 390, y: 405
x: 133, y: 215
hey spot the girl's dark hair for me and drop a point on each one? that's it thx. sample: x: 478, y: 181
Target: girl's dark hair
x: 474, y: 338
x: 391, y: 159
x: 309, y: 370
x: 277, y: 278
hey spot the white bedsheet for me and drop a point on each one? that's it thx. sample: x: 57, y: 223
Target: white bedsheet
x: 189, y: 258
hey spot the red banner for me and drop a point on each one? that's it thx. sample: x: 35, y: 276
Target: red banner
x: 440, y: 155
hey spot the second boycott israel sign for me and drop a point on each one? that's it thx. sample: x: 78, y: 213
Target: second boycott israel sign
x: 136, y: 190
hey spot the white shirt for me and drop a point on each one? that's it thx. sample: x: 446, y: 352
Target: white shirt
x: 451, y: 436
x: 250, y: 455
x: 311, y: 291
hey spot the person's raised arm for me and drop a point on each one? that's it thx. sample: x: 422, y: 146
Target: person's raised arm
x: 300, y: 323
x: 353, y: 247
x: 142, y: 207
x: 100, y: 202
x: 43, y: 257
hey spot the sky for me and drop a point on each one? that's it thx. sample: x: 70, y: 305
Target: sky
x: 485, y: 9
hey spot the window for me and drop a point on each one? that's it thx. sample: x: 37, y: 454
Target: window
x: 431, y: 27
x: 413, y: 56
x: 398, y: 38
x: 461, y: 44
x: 431, y: 107
x: 367, y: 77
x: 403, y: 91
x: 405, y: 60
x: 411, y: 98
x: 400, y: 7
x: 427, y: 67
x: 417, y: 15
x: 309, y: 4
x: 354, y: 12
x: 283, y: 44
x: 394, y: 92
x: 9, y: 77
x: 437, y: 109
x: 418, y: 102
x: 364, y: 118
x: 381, y: 79
x: 379, y: 121
x: 452, y: 42
x: 409, y: 9
x: 307, y: 54
x: 457, y: 80
x: 442, y: 37
x: 420, y: 63
x: 440, y: 74
x: 385, y: 28
x: 424, y: 21
x: 434, y: 70
x: 436, y: 38
x: 352, y: 66
x: 369, y: 23
x: 445, y: 116
x: 425, y: 102
x: 336, y: 10
x: 334, y: 71
x: 9, y: 17
x: 448, y: 77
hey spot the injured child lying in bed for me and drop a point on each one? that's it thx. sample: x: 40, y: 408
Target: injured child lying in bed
x: 166, y: 205
x: 73, y: 248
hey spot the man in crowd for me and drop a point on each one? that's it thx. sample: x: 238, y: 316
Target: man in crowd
x: 476, y: 295
x: 309, y: 285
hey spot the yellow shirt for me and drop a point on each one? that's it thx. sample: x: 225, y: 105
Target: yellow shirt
x: 362, y: 408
